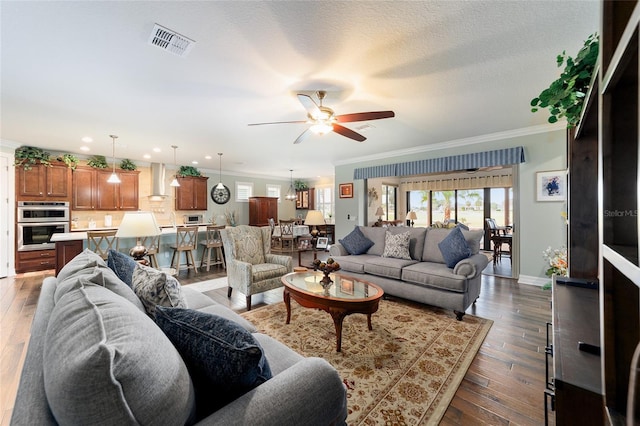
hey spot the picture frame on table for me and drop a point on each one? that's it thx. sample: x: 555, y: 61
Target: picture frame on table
x: 322, y: 243
x: 346, y: 190
x: 551, y: 185
x: 346, y: 286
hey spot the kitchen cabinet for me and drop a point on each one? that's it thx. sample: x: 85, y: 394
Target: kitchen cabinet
x: 192, y: 193
x: 35, y: 260
x: 304, y: 199
x: 91, y: 191
x: 261, y: 209
x: 45, y: 183
x: 65, y: 251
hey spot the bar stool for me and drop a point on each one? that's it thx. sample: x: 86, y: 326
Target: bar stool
x: 213, y: 242
x: 153, y: 248
x: 186, y: 241
x: 100, y: 242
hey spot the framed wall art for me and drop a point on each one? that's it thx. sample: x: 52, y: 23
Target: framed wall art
x: 346, y: 190
x: 551, y: 185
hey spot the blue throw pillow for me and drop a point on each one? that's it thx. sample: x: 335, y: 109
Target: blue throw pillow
x: 454, y: 247
x: 122, y: 265
x: 223, y: 358
x: 356, y: 242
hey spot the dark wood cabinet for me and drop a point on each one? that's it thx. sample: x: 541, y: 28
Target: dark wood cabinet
x: 91, y: 191
x: 36, y: 260
x: 305, y: 199
x: 65, y: 251
x: 261, y: 209
x: 192, y: 193
x: 46, y: 183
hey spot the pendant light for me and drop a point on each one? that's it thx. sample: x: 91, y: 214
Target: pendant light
x: 114, y: 177
x: 175, y: 182
x: 291, y: 193
x: 220, y: 184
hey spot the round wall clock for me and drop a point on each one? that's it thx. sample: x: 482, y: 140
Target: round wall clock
x: 220, y: 195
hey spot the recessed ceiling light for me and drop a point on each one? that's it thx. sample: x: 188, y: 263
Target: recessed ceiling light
x: 207, y: 157
x: 87, y: 139
x: 157, y: 150
x: 84, y: 148
x: 194, y: 162
x: 146, y: 156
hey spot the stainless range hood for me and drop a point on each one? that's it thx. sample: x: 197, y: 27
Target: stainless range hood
x: 157, y: 182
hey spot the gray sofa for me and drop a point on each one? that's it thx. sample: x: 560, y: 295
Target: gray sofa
x: 112, y: 364
x: 425, y: 277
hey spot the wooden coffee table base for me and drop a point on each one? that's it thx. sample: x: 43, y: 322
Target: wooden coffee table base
x: 338, y: 309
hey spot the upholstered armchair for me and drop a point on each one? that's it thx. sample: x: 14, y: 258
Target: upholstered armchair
x: 251, y: 268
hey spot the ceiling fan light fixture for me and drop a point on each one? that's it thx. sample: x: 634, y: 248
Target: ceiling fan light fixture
x: 321, y: 128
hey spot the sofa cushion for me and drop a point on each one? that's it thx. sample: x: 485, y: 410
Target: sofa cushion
x: 454, y: 248
x: 436, y: 275
x: 122, y: 265
x: 388, y: 267
x: 157, y: 288
x: 223, y: 358
x: 355, y: 242
x: 106, y: 362
x: 83, y: 260
x: 397, y: 246
x: 416, y: 241
x: 354, y: 263
x: 377, y: 235
x: 434, y: 236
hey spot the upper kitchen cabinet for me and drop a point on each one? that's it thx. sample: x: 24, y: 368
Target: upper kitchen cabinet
x: 192, y: 193
x: 304, y: 199
x: 91, y: 191
x: 46, y: 183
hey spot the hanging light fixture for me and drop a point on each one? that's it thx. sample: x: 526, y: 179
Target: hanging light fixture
x: 175, y: 182
x: 291, y: 193
x: 114, y: 177
x: 220, y: 184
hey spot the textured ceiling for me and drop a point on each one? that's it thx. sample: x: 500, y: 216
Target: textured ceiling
x: 449, y: 69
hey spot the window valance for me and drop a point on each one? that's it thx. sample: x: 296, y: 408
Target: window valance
x: 496, y: 179
x: 498, y: 157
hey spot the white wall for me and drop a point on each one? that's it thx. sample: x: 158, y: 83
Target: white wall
x: 540, y: 223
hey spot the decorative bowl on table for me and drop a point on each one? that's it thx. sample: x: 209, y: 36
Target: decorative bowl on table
x: 326, y: 268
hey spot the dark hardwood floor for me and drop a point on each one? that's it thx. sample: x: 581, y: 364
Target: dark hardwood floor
x: 503, y: 386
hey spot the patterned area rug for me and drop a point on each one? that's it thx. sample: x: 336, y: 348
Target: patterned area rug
x: 405, y: 371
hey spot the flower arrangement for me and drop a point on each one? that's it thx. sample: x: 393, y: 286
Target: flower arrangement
x: 557, y: 259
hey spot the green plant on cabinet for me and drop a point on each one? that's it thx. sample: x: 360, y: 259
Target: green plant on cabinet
x: 188, y: 171
x: 98, y: 162
x: 27, y: 156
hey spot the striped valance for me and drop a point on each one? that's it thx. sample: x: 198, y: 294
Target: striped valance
x: 498, y: 157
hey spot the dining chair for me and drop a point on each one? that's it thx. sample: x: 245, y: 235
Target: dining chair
x: 100, y: 242
x: 212, y: 243
x: 186, y: 242
x: 499, y: 236
x: 272, y: 227
x: 286, y: 234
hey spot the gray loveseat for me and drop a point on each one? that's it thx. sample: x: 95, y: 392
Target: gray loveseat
x: 96, y: 357
x: 425, y: 277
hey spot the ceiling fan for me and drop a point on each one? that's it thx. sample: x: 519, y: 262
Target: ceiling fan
x: 323, y: 120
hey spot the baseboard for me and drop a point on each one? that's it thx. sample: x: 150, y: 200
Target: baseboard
x: 531, y: 280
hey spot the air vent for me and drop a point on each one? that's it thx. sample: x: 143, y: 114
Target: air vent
x: 170, y: 41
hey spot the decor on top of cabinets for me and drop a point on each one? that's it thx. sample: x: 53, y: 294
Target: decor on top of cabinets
x: 127, y: 164
x: 27, y: 156
x: 551, y: 186
x: 346, y: 190
x: 98, y: 162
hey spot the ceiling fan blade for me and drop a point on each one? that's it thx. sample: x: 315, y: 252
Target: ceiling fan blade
x: 309, y: 104
x: 364, y: 116
x: 302, y: 136
x: 348, y: 133
x: 277, y: 122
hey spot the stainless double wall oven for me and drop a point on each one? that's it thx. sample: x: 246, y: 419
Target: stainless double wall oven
x: 38, y: 221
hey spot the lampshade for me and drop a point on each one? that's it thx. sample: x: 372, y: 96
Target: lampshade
x: 411, y: 215
x: 138, y: 224
x: 314, y: 217
x: 379, y: 211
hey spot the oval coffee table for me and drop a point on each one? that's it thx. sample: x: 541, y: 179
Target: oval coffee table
x: 347, y: 295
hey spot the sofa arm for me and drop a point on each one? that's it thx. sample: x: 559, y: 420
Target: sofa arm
x: 279, y: 259
x: 338, y: 250
x: 472, y: 266
x: 309, y: 392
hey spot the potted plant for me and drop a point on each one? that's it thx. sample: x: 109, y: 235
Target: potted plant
x: 98, y: 162
x: 188, y: 171
x: 69, y: 159
x: 127, y: 164
x: 27, y: 156
x: 565, y: 96
x: 300, y: 185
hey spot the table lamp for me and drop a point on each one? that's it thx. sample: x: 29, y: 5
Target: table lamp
x: 137, y: 225
x: 379, y: 213
x: 314, y: 218
x: 411, y: 216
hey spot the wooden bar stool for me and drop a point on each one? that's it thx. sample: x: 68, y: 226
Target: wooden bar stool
x: 153, y: 248
x: 101, y: 241
x: 213, y: 243
x: 187, y: 242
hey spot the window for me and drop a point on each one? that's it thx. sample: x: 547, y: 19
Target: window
x: 389, y: 199
x: 273, y: 191
x: 324, y: 201
x: 244, y: 190
x: 419, y: 203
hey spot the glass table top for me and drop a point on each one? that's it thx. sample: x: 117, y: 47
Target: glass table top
x: 343, y: 287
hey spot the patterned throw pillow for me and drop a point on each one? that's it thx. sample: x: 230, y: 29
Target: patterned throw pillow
x: 223, y: 358
x: 454, y: 248
x: 397, y: 245
x: 122, y: 265
x: 356, y: 242
x: 155, y: 287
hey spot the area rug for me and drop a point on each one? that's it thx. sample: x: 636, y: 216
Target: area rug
x: 405, y: 371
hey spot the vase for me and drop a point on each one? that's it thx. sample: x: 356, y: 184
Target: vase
x: 326, y: 282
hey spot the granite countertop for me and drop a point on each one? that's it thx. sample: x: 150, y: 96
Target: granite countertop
x: 81, y: 233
